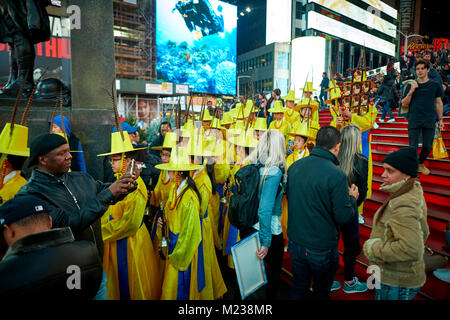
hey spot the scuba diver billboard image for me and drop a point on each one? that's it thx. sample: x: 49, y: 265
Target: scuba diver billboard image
x: 196, y: 44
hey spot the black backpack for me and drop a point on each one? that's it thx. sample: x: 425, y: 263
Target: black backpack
x: 243, y: 212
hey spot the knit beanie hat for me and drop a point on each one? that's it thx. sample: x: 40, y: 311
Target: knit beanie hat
x: 405, y: 160
x: 43, y: 144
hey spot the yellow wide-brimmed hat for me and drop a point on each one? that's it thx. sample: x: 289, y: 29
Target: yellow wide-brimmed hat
x: 179, y: 161
x: 238, y: 127
x: 15, y: 143
x: 118, y: 145
x: 290, y: 96
x: 227, y: 119
x: 202, y: 146
x: 206, y: 115
x: 216, y: 124
x: 308, y: 87
x: 301, y: 129
x: 245, y: 139
x: 170, y: 141
x: 307, y: 103
x: 334, y: 94
x: 260, y: 124
x: 277, y: 107
x: 240, y: 111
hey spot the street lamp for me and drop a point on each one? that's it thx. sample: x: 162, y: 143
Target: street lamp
x: 239, y: 77
x: 406, y: 38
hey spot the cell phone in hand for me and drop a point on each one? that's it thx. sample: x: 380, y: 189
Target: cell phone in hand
x: 131, y: 168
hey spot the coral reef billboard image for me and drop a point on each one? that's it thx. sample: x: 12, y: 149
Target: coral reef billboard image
x: 196, y: 44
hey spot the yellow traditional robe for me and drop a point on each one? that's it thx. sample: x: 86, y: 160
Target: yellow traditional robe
x: 283, y: 126
x: 129, y: 260
x: 214, y: 284
x: 292, y: 116
x: 159, y: 195
x: 183, y: 222
x: 296, y: 155
x: 221, y: 172
x: 230, y: 233
x: 11, y: 187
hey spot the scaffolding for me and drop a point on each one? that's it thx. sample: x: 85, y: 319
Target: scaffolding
x: 134, y: 39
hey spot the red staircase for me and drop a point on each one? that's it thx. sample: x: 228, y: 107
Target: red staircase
x: 386, y: 138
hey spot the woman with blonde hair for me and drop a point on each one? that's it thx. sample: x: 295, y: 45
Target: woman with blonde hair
x: 271, y: 154
x: 355, y: 166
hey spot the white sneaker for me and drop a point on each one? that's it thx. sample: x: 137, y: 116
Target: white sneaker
x: 361, y: 219
x: 391, y: 120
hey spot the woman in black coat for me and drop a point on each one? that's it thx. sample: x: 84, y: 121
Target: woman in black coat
x: 356, y: 167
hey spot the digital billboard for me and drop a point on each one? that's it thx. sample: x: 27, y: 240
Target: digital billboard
x: 307, y: 65
x: 370, y: 17
x: 196, y: 44
x: 336, y: 28
x: 278, y: 21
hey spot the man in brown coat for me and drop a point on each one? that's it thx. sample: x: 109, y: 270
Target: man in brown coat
x: 400, y: 229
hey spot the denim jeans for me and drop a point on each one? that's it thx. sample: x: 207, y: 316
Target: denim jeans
x: 101, y: 293
x: 395, y: 293
x: 387, y: 109
x: 320, y: 266
x: 352, y: 246
x: 322, y: 97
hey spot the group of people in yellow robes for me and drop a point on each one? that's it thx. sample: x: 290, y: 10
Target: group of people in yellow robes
x: 178, y: 258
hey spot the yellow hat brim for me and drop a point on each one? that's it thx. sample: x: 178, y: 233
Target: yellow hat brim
x: 178, y: 167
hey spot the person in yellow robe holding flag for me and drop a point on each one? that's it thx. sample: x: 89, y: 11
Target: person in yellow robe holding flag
x: 129, y: 260
x: 202, y: 148
x: 13, y: 153
x: 184, y: 276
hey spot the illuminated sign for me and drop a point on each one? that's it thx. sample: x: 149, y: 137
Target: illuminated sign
x: 383, y: 7
x: 338, y: 29
x: 370, y: 18
x: 278, y: 21
x: 196, y: 44
x: 307, y: 65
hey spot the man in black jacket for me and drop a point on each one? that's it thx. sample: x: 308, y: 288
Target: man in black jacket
x: 319, y: 200
x: 74, y: 199
x: 42, y: 262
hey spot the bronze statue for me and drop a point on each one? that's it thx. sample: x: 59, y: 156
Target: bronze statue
x: 23, y: 23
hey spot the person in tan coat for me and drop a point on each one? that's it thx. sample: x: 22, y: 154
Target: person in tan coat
x: 400, y: 229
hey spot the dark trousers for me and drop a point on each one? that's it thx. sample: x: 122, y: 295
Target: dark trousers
x: 320, y: 266
x: 352, y: 246
x: 427, y: 144
x: 273, y: 261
